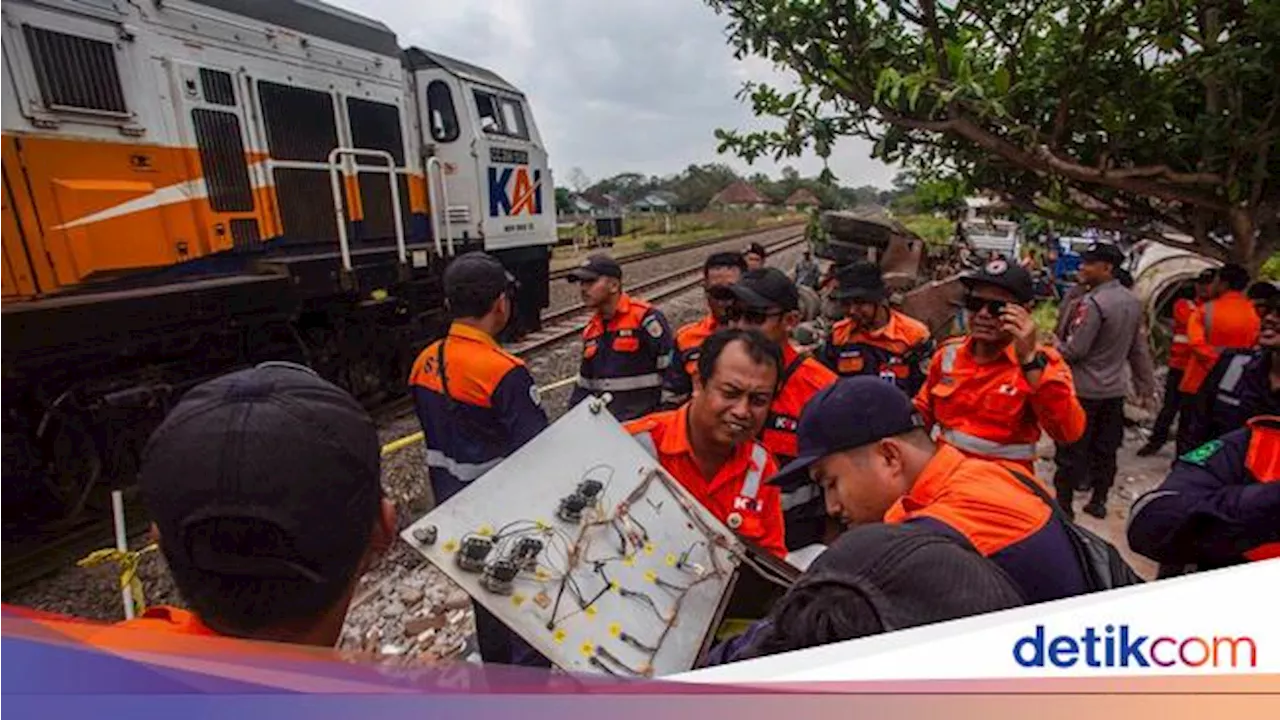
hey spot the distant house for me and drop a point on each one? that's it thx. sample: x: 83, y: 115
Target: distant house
x: 802, y: 199
x: 739, y: 196
x: 582, y: 206
x: 653, y: 203
x: 599, y: 203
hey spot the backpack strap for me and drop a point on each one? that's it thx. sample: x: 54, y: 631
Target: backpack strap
x: 791, y: 368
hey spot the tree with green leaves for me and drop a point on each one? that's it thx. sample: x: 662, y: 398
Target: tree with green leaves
x: 564, y: 201
x: 1152, y: 117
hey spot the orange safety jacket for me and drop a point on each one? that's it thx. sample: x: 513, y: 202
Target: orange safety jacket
x: 990, y: 409
x: 1226, y: 323
x: 738, y: 495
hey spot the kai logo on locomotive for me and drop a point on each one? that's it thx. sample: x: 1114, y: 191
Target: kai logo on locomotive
x: 514, y: 191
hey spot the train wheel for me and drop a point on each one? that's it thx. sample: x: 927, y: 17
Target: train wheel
x: 73, y: 465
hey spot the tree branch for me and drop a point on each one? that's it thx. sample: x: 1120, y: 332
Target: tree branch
x: 930, y: 9
x: 1200, y: 244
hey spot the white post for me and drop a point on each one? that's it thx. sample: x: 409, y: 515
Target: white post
x: 122, y: 544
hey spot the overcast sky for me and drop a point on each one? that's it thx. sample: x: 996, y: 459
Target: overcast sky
x: 615, y: 85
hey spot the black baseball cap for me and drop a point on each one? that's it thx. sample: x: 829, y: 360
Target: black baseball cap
x: 848, y: 414
x: 860, y: 281
x: 270, y: 473
x: 906, y: 576
x: 595, y: 266
x: 1262, y: 291
x: 475, y: 279
x: 765, y: 289
x: 1001, y: 274
x: 1103, y: 252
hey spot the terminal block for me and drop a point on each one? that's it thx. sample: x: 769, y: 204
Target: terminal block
x: 499, y: 575
x: 525, y: 555
x: 472, y: 553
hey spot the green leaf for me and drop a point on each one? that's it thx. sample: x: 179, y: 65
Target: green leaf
x: 955, y: 56
x: 1002, y: 80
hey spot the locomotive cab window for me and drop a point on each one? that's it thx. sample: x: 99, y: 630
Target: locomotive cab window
x: 501, y: 116
x: 443, y: 118
x: 75, y: 73
x: 513, y: 119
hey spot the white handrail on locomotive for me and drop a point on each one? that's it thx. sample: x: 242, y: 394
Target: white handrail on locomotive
x: 440, y: 217
x: 344, y: 245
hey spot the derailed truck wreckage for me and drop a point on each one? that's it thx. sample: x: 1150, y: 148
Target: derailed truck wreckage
x: 903, y: 257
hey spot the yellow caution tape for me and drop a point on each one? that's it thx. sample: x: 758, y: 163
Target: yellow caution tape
x: 732, y: 627
x: 127, y: 561
x: 402, y: 443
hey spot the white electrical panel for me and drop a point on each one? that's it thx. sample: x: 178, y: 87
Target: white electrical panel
x: 589, y: 550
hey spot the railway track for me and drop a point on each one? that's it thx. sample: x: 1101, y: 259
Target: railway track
x: 32, y: 558
x: 567, y: 322
x: 562, y: 273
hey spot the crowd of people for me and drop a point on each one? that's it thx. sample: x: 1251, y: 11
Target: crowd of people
x: 911, y: 460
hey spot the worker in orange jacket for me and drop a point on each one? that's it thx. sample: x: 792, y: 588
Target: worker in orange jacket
x: 873, y: 338
x: 1228, y: 322
x: 861, y: 442
x: 708, y: 445
x: 991, y: 393
x: 626, y: 346
x: 767, y: 300
x: 719, y: 271
x: 1179, y: 353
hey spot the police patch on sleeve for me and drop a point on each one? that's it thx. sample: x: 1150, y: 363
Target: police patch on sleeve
x: 654, y: 328
x: 1201, y: 455
x: 535, y: 395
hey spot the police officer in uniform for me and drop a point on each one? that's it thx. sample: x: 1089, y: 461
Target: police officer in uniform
x: 477, y: 404
x: 1219, y: 506
x: 1243, y: 384
x: 1104, y: 341
x: 627, y: 345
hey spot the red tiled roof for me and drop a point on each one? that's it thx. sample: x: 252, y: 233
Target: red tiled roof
x: 739, y: 193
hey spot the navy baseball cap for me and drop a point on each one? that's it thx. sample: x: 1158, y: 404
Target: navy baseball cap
x: 271, y: 472
x: 848, y: 414
x: 595, y: 266
x: 475, y: 277
x: 764, y: 289
x: 860, y: 281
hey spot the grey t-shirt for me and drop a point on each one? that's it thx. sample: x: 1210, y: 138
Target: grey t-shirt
x: 1105, y: 345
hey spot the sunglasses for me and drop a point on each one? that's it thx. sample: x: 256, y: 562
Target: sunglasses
x: 975, y: 305
x: 751, y: 317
